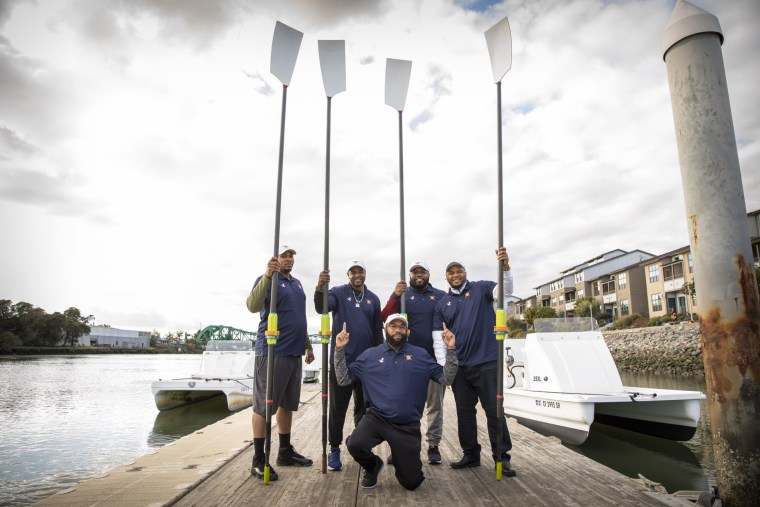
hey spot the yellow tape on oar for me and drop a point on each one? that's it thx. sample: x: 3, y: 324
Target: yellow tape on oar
x: 325, y: 333
x: 272, y: 333
x: 500, y: 329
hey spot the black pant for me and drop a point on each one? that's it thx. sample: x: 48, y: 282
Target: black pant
x: 340, y: 397
x: 404, y: 439
x: 470, y: 384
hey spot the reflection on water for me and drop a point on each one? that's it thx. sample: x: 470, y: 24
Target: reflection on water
x: 675, y: 465
x: 68, y: 418
x: 176, y: 423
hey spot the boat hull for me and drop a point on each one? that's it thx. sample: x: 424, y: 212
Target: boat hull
x: 169, y: 394
x: 663, y: 413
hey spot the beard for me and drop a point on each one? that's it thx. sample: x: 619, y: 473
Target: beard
x: 393, y: 342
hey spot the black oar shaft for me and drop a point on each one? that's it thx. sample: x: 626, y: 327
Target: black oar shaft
x: 325, y: 296
x: 500, y: 302
x: 401, y: 205
x: 273, y: 325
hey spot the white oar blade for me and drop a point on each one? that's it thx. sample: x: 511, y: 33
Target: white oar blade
x: 397, y: 74
x: 285, y: 46
x: 332, y: 61
x: 499, y: 40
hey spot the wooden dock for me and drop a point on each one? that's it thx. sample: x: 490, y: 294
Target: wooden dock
x: 548, y: 474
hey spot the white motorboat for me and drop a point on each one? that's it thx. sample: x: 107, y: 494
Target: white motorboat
x: 226, y: 370
x: 311, y: 372
x: 562, y: 378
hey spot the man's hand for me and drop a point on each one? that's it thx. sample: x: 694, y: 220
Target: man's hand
x: 341, y: 339
x: 448, y: 338
x: 400, y: 288
x: 272, y: 266
x: 309, y: 356
x: 324, y: 277
x: 501, y: 255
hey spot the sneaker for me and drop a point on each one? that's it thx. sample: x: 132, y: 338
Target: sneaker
x: 390, y: 459
x: 333, y: 459
x: 369, y: 481
x: 434, y: 456
x: 288, y: 457
x: 257, y: 469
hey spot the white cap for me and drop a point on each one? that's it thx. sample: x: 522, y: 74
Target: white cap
x: 396, y: 316
x: 419, y: 264
x: 355, y: 263
x: 285, y: 248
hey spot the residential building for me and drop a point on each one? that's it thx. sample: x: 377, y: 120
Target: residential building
x: 595, y: 278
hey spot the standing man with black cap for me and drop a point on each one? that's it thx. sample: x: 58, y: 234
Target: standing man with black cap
x: 292, y: 343
x: 467, y: 312
x: 421, y: 298
x: 396, y: 376
x: 353, y: 305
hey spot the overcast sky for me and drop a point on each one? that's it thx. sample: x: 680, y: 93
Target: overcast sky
x: 139, y: 146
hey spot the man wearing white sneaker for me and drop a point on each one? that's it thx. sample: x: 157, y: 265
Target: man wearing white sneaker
x: 395, y: 399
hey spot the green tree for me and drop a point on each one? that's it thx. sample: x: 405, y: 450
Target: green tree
x: 75, y: 325
x: 583, y: 306
x: 8, y: 340
x: 538, y: 312
x: 30, y: 323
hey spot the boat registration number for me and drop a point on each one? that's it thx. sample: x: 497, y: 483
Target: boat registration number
x: 547, y: 404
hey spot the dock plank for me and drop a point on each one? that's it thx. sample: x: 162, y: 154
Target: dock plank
x: 549, y: 474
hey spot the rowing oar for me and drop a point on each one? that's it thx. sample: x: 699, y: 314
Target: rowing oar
x: 332, y: 61
x: 285, y: 46
x: 397, y: 74
x: 499, y: 41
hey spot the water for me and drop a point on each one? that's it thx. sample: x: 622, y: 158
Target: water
x: 677, y: 466
x: 65, y: 419
x: 68, y: 418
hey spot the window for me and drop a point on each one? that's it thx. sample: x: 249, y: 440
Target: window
x: 654, y: 273
x: 656, y: 302
x: 622, y: 280
x: 691, y: 263
x: 623, y: 307
x: 608, y: 287
x: 580, y: 293
x: 554, y: 301
x: 579, y: 277
x: 561, y: 298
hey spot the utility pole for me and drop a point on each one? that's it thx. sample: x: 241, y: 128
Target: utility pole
x: 729, y: 308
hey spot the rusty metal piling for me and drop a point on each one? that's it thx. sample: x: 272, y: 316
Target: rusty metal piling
x: 728, y: 303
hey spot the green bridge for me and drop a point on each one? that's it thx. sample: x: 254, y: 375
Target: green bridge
x: 222, y: 333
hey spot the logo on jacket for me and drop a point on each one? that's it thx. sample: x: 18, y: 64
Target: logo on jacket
x: 408, y: 357
x: 382, y: 360
x: 467, y: 294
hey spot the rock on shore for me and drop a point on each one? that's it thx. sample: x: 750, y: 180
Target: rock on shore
x: 672, y: 350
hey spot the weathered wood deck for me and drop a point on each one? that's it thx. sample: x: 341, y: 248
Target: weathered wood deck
x: 548, y: 474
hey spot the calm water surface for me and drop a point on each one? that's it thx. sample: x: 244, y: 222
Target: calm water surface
x: 67, y: 418
x: 676, y: 465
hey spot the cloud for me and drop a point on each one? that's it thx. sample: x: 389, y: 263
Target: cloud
x: 259, y: 83
x: 11, y: 145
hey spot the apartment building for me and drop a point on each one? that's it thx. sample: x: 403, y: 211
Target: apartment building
x: 599, y: 277
x: 623, y: 283
x: 667, y: 277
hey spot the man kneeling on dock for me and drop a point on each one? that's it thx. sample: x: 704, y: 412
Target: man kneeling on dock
x: 397, y: 375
